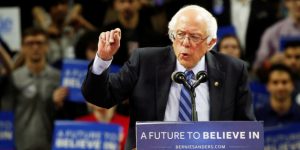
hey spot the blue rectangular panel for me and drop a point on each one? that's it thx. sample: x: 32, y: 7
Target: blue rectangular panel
x: 237, y: 135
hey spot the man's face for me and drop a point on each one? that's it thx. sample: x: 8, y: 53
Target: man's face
x: 59, y: 12
x: 280, y: 85
x: 293, y: 7
x: 127, y: 8
x: 292, y: 58
x: 190, y: 39
x: 35, y: 47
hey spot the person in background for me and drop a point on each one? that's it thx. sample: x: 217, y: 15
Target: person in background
x: 230, y: 45
x: 136, y: 28
x: 281, y: 108
x: 270, y: 41
x: 292, y: 60
x: 104, y: 115
x: 94, y: 11
x: 32, y: 94
x: 250, y: 18
x: 65, y: 24
x: 6, y: 67
x: 289, y: 56
x: 292, y: 56
x: 145, y: 79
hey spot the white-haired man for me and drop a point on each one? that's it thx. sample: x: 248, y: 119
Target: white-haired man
x: 146, y: 78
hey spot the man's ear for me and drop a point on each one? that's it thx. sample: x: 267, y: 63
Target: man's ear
x: 211, y: 42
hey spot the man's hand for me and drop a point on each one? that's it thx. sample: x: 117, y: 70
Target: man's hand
x: 59, y: 96
x: 109, y: 43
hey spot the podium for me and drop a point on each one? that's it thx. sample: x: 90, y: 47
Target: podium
x: 235, y: 135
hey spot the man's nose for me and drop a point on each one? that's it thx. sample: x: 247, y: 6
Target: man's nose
x: 35, y: 46
x: 281, y: 85
x: 186, y: 41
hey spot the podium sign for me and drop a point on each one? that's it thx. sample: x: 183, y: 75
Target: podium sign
x: 75, y: 135
x: 235, y: 135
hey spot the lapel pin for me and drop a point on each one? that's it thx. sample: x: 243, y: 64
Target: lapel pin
x: 216, y: 83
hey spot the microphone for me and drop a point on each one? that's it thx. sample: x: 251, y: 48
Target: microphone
x: 201, y: 77
x: 179, y: 78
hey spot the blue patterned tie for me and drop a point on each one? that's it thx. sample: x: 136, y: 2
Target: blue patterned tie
x: 185, y: 104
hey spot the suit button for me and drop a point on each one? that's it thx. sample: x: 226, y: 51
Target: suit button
x: 216, y: 83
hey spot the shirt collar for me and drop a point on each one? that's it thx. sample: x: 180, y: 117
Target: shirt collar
x: 291, y: 112
x: 43, y: 73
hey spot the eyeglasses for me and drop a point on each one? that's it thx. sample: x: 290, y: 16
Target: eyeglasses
x: 196, y: 38
x: 31, y: 43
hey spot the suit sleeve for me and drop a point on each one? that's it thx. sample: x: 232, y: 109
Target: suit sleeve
x: 106, y: 90
x: 244, y: 105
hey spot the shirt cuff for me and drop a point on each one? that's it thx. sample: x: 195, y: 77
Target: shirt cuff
x: 100, y: 65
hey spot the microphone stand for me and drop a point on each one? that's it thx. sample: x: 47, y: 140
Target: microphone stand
x: 193, y: 97
x: 202, y: 78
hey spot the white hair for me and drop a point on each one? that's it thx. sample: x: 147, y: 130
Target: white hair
x: 208, y: 18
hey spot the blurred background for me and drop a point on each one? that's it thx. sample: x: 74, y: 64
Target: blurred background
x: 45, y: 47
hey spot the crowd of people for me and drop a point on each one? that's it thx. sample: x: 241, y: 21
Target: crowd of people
x: 266, y: 35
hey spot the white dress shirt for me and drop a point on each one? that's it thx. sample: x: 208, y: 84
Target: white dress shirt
x: 100, y: 65
x: 172, y: 109
x: 240, y: 12
x: 202, y: 96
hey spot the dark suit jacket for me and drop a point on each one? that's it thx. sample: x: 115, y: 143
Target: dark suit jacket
x: 146, y: 80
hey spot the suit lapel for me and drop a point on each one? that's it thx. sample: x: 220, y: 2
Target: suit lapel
x: 216, y: 79
x: 163, y: 82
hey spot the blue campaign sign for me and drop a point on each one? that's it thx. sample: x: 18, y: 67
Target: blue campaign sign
x: 7, y: 131
x: 74, y: 135
x: 286, y: 39
x: 73, y: 74
x: 283, y: 137
x: 237, y: 135
x: 226, y: 30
